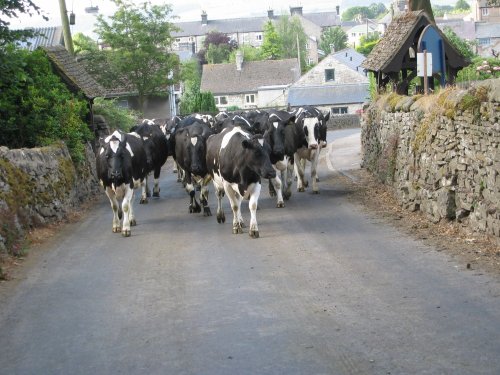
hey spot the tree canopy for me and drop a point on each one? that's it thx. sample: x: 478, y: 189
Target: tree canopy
x: 217, y: 47
x: 375, y: 10
x: 333, y: 37
x: 139, y: 38
x: 290, y: 32
x: 271, y: 43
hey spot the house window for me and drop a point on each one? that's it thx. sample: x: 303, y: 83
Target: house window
x: 308, y: 45
x: 484, y: 41
x: 310, y: 61
x: 353, y: 35
x: 329, y: 75
x: 258, y: 37
x: 221, y: 100
x: 484, y: 11
x: 250, y: 98
x: 338, y: 110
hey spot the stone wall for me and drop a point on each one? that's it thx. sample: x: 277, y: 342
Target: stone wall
x: 440, y: 152
x: 39, y: 186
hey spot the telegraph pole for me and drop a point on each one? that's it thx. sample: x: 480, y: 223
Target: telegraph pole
x: 68, y: 41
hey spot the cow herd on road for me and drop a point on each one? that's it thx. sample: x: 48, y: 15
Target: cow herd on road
x: 233, y: 150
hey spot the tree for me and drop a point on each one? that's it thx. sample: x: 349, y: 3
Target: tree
x: 271, y: 43
x: 12, y: 9
x: 367, y: 43
x: 83, y: 44
x: 217, y: 47
x: 462, y: 5
x: 375, y: 10
x: 140, y: 39
x: 249, y: 52
x: 333, y: 37
x: 465, y: 47
x: 290, y: 32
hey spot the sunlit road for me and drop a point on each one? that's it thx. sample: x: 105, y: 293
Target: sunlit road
x: 326, y: 289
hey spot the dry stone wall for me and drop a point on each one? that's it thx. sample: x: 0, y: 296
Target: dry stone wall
x: 440, y: 152
x: 39, y: 186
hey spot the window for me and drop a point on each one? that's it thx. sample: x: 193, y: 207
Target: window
x: 258, y: 37
x: 484, y: 41
x: 310, y: 61
x: 220, y: 100
x: 484, y: 11
x: 338, y: 110
x: 329, y: 75
x: 250, y: 98
x: 308, y: 45
x: 353, y: 35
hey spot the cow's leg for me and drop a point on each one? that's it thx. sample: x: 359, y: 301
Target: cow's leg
x: 235, y: 201
x: 278, y: 185
x: 194, y: 206
x: 180, y: 173
x: 133, y: 223
x: 204, y: 196
x: 287, y: 176
x: 144, y: 195
x: 126, y: 204
x: 115, y: 207
x: 299, y: 172
x: 156, y: 186
x: 252, y: 205
x: 148, y: 189
x: 314, y: 171
x: 272, y: 190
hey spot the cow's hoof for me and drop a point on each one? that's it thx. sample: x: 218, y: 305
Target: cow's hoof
x: 254, y: 233
x: 206, y: 211
x: 179, y: 179
x: 315, y: 191
x: 272, y: 193
x: 286, y: 195
x: 117, y: 230
x: 221, y: 218
x: 174, y: 171
x: 237, y: 230
x: 126, y: 233
x: 280, y: 204
x: 143, y: 201
x: 156, y: 194
x: 306, y: 183
x: 133, y: 223
x: 148, y: 194
x: 301, y: 190
x: 191, y: 209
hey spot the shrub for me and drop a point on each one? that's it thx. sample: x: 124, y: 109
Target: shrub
x: 116, y: 117
x: 36, y: 108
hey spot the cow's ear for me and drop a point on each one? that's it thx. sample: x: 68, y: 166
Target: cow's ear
x: 327, y: 116
x: 246, y: 144
x: 102, y: 142
x: 291, y: 120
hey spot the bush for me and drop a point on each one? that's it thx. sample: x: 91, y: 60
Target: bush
x: 116, y: 117
x: 36, y: 108
x: 480, y: 69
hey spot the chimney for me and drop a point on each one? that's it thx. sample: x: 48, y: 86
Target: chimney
x: 239, y: 60
x: 337, y: 8
x: 270, y: 14
x: 204, y: 18
x: 295, y: 10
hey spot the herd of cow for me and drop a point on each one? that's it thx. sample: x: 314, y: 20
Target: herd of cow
x: 233, y: 150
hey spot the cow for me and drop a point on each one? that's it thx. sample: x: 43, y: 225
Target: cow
x: 313, y: 123
x: 274, y: 135
x: 236, y: 161
x: 156, y: 146
x: 190, y: 155
x: 121, y: 168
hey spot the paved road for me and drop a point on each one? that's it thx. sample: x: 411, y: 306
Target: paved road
x: 327, y: 289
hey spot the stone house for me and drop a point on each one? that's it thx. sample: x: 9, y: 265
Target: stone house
x: 337, y: 84
x: 250, y: 84
x: 249, y: 31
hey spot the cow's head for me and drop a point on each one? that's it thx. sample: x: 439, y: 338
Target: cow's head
x: 116, y: 152
x: 257, y: 157
x: 311, y: 124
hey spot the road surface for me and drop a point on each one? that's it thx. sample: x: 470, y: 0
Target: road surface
x: 326, y: 289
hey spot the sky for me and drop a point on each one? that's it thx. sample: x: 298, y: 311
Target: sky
x: 184, y: 10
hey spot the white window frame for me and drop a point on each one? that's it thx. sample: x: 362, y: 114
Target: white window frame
x: 484, y: 41
x: 249, y: 99
x: 258, y: 37
x: 485, y: 12
x: 219, y: 100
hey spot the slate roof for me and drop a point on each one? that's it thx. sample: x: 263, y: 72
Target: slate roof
x: 248, y: 24
x: 73, y: 72
x: 47, y: 36
x: 350, y: 57
x: 225, y: 79
x: 487, y: 30
x: 399, y: 36
x: 328, y: 94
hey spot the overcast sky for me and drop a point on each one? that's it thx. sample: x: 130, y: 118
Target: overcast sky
x: 185, y: 10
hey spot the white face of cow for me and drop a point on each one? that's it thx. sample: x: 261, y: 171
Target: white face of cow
x: 311, y: 130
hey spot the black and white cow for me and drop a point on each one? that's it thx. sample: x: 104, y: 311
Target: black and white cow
x: 156, y: 146
x: 121, y: 168
x: 274, y: 135
x: 190, y: 155
x: 313, y: 123
x: 237, y: 161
